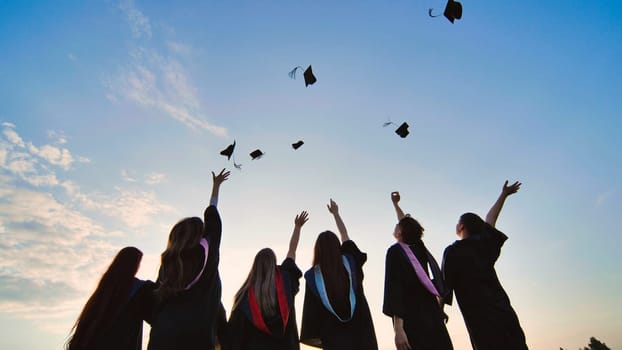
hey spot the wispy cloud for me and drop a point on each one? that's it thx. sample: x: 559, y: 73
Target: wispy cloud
x: 72, y: 57
x: 139, y: 23
x: 125, y: 175
x: 158, y: 80
x: 603, y: 198
x: 155, y: 178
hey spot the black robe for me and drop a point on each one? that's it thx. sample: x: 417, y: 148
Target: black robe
x: 469, y: 269
x: 406, y: 298
x: 126, y: 332
x: 242, y: 333
x: 322, y: 329
x: 194, y: 318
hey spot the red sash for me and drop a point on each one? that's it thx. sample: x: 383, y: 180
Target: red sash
x: 256, y: 315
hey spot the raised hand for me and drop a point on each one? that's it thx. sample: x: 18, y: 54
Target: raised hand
x: 301, y: 219
x: 332, y: 207
x: 221, y: 177
x: 395, y: 197
x: 508, y: 190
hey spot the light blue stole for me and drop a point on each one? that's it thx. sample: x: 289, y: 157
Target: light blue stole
x: 321, y: 288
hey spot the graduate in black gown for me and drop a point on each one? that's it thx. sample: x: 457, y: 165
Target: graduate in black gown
x: 263, y: 316
x: 335, y: 313
x: 189, y: 313
x: 411, y: 298
x: 113, y: 316
x: 469, y: 270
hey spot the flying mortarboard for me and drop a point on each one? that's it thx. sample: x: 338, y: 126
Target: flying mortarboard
x: 402, y: 130
x: 228, y: 151
x: 453, y: 10
x: 298, y: 144
x: 256, y: 154
x: 310, y: 79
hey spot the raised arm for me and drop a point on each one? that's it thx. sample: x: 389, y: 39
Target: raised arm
x: 217, y: 181
x: 493, y: 213
x: 334, y: 209
x: 395, y: 198
x: 299, y: 221
x: 212, y: 226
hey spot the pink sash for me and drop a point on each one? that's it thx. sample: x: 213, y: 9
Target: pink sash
x: 203, y: 243
x: 423, y: 277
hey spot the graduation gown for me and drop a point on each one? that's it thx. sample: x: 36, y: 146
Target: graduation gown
x: 407, y: 298
x: 126, y: 332
x: 244, y: 335
x: 194, y: 318
x: 469, y: 270
x: 322, y: 329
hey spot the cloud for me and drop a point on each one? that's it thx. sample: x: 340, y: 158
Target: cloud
x: 56, y: 239
x: 155, y: 178
x: 126, y: 176
x: 604, y: 197
x: 11, y: 135
x: 19, y: 289
x: 139, y: 23
x: 161, y: 83
x: 72, y: 57
x: 158, y: 81
x: 23, y: 159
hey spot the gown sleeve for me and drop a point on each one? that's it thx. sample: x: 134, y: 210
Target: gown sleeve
x: 143, y: 302
x: 449, y: 274
x: 393, y: 286
x: 289, y: 265
x: 212, y: 231
x: 311, y: 319
x: 493, y: 241
x: 349, y: 247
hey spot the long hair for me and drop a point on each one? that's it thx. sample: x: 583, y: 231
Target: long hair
x: 105, y: 304
x: 411, y: 230
x: 327, y: 254
x: 473, y: 224
x: 262, y: 278
x: 176, y: 264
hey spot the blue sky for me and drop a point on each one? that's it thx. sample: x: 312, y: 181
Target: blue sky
x: 113, y: 114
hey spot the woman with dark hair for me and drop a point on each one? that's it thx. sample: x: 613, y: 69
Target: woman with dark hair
x: 411, y: 298
x: 263, y: 316
x: 335, y: 313
x: 113, y: 316
x: 469, y: 270
x: 189, y: 313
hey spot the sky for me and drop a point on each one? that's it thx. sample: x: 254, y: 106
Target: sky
x: 113, y: 114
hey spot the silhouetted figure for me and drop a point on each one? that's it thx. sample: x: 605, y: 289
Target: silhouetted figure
x: 411, y: 298
x: 469, y: 270
x: 189, y: 313
x: 335, y: 313
x: 263, y: 316
x: 113, y: 316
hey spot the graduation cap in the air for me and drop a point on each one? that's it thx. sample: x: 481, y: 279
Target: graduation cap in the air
x: 256, y: 154
x: 228, y: 151
x: 298, y: 144
x: 453, y: 10
x: 402, y: 130
x: 310, y: 79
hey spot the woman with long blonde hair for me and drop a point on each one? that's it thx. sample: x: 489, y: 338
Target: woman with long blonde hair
x: 189, y: 313
x: 263, y: 314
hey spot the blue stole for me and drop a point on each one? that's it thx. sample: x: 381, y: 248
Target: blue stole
x: 320, y: 288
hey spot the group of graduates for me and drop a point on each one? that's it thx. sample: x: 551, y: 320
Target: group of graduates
x: 185, y: 311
